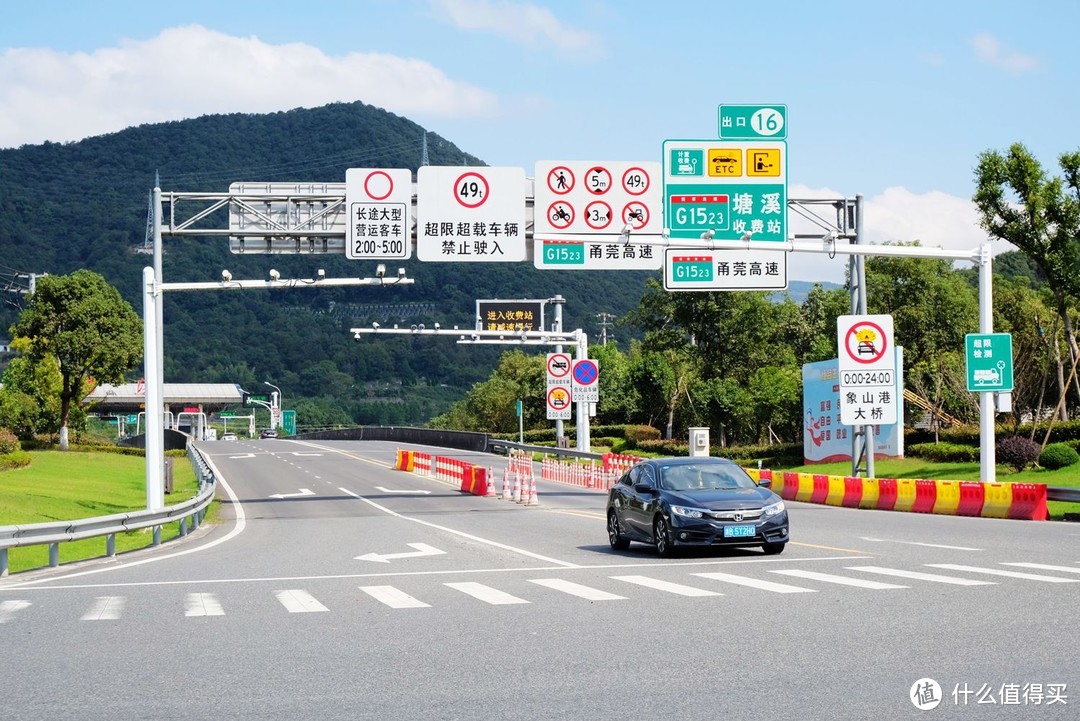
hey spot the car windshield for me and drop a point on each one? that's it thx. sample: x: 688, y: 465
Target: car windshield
x: 713, y: 476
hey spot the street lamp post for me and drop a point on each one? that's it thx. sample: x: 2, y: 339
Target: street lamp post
x: 275, y: 421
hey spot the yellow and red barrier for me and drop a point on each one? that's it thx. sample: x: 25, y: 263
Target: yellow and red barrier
x: 1024, y: 501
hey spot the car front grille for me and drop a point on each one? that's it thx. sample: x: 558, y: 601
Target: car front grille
x: 751, y: 514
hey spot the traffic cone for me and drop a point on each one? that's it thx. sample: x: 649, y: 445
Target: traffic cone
x: 534, y: 499
x: 515, y: 493
x: 490, y: 479
x: 506, y: 484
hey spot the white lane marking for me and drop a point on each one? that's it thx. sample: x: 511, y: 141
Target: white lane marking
x: 303, y: 492
x: 422, y: 549
x: 999, y: 572
x: 298, y: 601
x: 666, y: 586
x: 755, y: 583
x: 246, y: 455
x: 400, y: 490
x: 919, y: 576
x: 202, y: 604
x: 576, y: 589
x: 298, y: 453
x: 105, y: 608
x: 841, y: 580
x: 487, y: 594
x: 1044, y: 567
x: 443, y: 572
x: 392, y: 597
x: 241, y: 524
x: 10, y: 608
x: 462, y: 534
x: 918, y: 543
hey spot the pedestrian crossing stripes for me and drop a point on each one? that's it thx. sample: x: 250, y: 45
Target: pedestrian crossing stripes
x: 707, y: 584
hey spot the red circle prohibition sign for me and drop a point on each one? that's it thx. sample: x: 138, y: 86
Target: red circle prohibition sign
x: 556, y: 371
x: 560, y: 214
x: 875, y: 354
x: 602, y: 221
x: 563, y: 174
x: 558, y: 398
x: 636, y: 214
x: 481, y: 190
x: 645, y: 177
x: 382, y: 177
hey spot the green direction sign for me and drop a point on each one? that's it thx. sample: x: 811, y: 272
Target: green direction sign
x: 258, y: 398
x: 752, y: 122
x: 288, y: 422
x: 726, y: 190
x: 133, y: 419
x: 228, y: 414
x: 989, y: 362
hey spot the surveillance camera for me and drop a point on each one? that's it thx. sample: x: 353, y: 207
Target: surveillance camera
x: 274, y: 275
x: 226, y: 276
x: 356, y: 336
x: 421, y: 326
x: 380, y: 270
x: 708, y: 234
x: 400, y: 272
x: 320, y: 274
x: 436, y: 326
x: 627, y: 229
x: 375, y: 325
x: 524, y: 337
x: 747, y: 235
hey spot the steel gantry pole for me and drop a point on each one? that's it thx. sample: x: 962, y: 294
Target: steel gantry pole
x: 988, y: 460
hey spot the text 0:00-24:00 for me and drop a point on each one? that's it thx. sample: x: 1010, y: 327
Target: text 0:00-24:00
x: 867, y: 378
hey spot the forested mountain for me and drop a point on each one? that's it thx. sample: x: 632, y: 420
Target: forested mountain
x: 84, y: 205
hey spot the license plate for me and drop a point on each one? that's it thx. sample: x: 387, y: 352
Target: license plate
x: 739, y: 531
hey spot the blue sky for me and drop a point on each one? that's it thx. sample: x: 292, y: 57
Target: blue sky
x: 893, y: 101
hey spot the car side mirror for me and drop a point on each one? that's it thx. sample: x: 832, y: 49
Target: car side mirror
x: 644, y: 488
x: 765, y: 483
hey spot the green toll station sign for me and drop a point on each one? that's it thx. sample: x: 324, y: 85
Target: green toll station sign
x: 989, y: 362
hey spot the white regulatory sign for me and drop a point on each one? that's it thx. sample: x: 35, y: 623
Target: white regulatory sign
x: 869, y: 385
x: 470, y: 214
x: 379, y: 202
x: 597, y: 198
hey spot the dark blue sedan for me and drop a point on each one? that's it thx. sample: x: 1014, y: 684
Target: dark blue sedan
x: 694, y: 501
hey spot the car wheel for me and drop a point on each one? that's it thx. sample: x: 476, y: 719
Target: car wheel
x: 771, y: 549
x: 618, y: 541
x: 662, y: 536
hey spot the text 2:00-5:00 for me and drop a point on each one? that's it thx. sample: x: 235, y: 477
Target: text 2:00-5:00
x: 867, y: 378
x: 381, y: 247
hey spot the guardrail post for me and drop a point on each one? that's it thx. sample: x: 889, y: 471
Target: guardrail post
x: 110, y: 545
x: 3, y: 562
x: 195, y: 520
x: 157, y: 536
x: 54, y: 554
x: 183, y: 526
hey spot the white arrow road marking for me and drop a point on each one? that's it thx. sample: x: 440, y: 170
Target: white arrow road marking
x: 916, y: 543
x: 246, y: 455
x: 422, y: 549
x: 398, y: 490
x: 303, y: 492
x: 9, y: 608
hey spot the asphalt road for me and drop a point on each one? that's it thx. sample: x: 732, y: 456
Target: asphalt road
x: 340, y: 588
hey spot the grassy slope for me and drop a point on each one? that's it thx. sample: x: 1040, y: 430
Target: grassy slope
x: 63, y: 486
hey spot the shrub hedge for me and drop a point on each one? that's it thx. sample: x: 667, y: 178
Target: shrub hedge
x: 1058, y: 455
x: 944, y: 452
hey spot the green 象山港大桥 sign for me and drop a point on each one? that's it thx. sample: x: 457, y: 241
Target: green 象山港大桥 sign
x: 989, y: 362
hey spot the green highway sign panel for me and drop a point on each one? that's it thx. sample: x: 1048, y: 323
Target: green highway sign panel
x: 751, y: 122
x: 726, y: 190
x: 133, y: 419
x: 700, y: 269
x: 228, y: 414
x: 989, y: 362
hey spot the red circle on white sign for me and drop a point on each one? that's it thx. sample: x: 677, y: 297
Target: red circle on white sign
x: 865, y: 342
x: 560, y: 214
x: 558, y: 365
x: 378, y: 185
x: 598, y: 215
x: 471, y: 189
x: 558, y: 398
x: 636, y: 214
x: 560, y: 180
x: 635, y: 181
x: 598, y: 180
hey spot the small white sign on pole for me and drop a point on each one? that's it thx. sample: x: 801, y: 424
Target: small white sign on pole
x: 868, y: 380
x: 586, y: 381
x: 379, y: 202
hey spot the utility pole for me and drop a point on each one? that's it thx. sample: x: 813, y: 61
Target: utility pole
x: 605, y: 323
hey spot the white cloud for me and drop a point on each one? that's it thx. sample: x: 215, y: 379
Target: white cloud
x: 935, y: 219
x: 523, y: 23
x: 988, y: 49
x: 190, y: 71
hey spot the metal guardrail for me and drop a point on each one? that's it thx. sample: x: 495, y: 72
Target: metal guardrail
x: 1069, y: 495
x: 57, y: 532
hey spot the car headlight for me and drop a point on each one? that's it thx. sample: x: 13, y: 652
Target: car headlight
x: 774, y: 508
x: 688, y: 512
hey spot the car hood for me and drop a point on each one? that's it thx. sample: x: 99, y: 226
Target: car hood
x: 723, y: 500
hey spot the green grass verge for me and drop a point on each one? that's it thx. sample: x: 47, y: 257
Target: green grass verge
x: 60, y: 486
